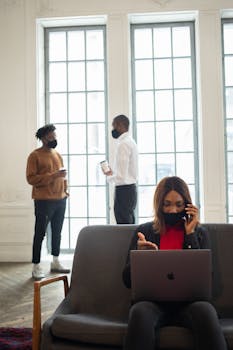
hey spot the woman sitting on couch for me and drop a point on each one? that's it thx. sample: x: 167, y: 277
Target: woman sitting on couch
x: 175, y: 226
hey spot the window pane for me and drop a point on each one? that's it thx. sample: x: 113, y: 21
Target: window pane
x: 143, y: 43
x: 229, y: 71
x: 192, y: 193
x: 76, y: 226
x: 164, y: 137
x: 94, y: 46
x: 96, y: 138
x: 58, y: 108
x: 145, y: 105
x: 230, y: 167
x: 78, y: 201
x: 57, y: 46
x: 145, y: 137
x: 229, y: 102
x: 61, y: 131
x: 181, y: 41
x: 162, y: 42
x: 95, y: 106
x: 97, y: 201
x: 183, y: 104
x: 77, y: 107
x: 76, y: 76
x: 165, y: 125
x: 184, y: 136
x: 145, y: 203
x: 182, y: 73
x: 163, y: 74
x: 95, y: 174
x: 77, y: 171
x: 146, y: 168
x: 165, y: 165
x: 230, y: 201
x: 77, y: 138
x: 76, y: 97
x: 76, y: 45
x: 97, y: 221
x: 57, y: 77
x: 65, y: 234
x: 143, y: 75
x: 228, y: 35
x: 185, y: 167
x: 95, y: 76
x: 230, y: 135
x: 164, y: 105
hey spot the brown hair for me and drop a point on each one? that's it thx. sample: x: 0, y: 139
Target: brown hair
x: 167, y: 184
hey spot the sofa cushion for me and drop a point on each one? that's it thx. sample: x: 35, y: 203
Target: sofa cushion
x: 89, y: 329
x: 227, y: 327
x: 181, y: 337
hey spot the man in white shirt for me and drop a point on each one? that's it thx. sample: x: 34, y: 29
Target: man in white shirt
x: 125, y: 172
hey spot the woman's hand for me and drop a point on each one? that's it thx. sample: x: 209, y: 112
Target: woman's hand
x: 193, y: 220
x: 142, y: 244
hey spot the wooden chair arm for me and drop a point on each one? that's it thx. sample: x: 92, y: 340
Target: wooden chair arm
x: 37, y: 306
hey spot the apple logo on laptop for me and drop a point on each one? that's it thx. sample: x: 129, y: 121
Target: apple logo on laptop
x: 171, y: 276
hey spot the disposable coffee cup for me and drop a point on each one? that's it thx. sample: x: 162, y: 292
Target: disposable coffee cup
x: 105, y: 166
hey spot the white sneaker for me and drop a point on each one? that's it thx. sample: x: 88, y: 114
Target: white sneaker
x: 37, y: 272
x: 56, y: 266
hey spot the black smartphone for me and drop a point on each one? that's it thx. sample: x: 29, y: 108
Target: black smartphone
x: 187, y: 216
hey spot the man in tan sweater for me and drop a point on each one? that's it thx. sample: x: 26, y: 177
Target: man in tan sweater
x: 46, y: 174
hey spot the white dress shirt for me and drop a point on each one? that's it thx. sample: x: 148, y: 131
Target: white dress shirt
x: 125, y: 166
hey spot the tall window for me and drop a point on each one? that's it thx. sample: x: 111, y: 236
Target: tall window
x: 76, y: 104
x: 228, y: 87
x: 164, y: 107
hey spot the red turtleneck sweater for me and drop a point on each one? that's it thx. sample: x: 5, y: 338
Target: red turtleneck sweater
x: 173, y: 238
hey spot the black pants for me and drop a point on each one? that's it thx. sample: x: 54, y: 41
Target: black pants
x: 125, y: 203
x: 46, y: 211
x: 200, y: 317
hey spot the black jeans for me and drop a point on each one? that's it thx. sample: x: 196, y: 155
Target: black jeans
x: 125, y: 203
x: 46, y: 211
x: 200, y: 317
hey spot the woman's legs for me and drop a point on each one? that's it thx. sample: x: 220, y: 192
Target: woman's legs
x: 202, y: 318
x: 144, y: 318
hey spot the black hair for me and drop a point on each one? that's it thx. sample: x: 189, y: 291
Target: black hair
x: 44, y: 130
x: 122, y: 119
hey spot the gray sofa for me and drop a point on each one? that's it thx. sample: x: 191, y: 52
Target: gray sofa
x: 94, y: 313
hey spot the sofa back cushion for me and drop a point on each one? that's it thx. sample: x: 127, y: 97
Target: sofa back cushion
x: 96, y: 282
x: 99, y: 258
x: 221, y: 236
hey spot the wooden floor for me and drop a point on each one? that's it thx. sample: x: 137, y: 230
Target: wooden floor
x: 16, y: 294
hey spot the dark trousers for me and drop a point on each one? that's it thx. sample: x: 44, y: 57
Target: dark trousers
x: 200, y: 317
x: 46, y: 211
x: 125, y: 203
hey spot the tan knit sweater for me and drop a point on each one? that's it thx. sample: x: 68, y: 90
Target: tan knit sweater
x: 41, y: 166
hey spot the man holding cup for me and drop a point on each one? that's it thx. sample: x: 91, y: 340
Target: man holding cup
x: 46, y: 174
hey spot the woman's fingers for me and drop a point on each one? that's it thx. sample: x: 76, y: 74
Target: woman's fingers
x: 144, y: 244
x: 141, y: 236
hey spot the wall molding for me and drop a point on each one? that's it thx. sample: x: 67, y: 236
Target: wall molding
x: 161, y: 3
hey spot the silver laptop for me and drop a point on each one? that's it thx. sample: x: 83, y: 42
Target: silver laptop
x: 171, y: 275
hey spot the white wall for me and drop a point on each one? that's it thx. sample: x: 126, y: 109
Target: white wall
x: 18, y: 98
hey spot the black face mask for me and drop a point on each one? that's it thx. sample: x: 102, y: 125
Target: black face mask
x: 52, y: 144
x: 173, y: 218
x: 115, y: 134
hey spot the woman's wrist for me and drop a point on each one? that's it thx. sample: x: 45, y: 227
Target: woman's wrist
x: 190, y: 233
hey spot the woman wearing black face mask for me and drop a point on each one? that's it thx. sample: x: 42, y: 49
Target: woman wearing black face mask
x: 175, y: 226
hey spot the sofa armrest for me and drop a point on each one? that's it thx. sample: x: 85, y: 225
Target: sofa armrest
x: 37, y: 306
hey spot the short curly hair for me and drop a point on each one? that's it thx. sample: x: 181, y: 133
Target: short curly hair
x: 44, y: 130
